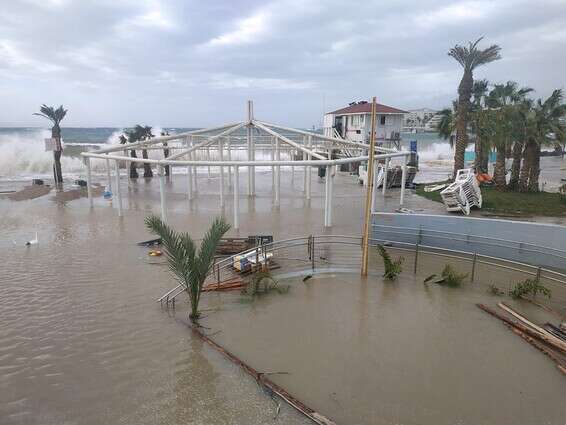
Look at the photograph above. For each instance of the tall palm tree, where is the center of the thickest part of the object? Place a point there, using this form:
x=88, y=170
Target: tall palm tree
x=188, y=266
x=481, y=147
x=543, y=121
x=470, y=58
x=132, y=136
x=145, y=134
x=55, y=116
x=504, y=105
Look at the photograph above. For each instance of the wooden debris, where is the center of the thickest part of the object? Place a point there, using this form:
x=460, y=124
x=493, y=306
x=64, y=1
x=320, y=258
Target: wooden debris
x=544, y=334
x=262, y=379
x=231, y=284
x=532, y=337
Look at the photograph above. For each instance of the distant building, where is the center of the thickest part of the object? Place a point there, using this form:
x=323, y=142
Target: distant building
x=417, y=119
x=432, y=123
x=354, y=122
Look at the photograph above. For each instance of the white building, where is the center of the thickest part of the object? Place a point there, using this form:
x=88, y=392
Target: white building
x=354, y=122
x=432, y=123
x=418, y=118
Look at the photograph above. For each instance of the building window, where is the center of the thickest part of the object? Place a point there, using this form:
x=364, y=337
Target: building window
x=382, y=120
x=358, y=131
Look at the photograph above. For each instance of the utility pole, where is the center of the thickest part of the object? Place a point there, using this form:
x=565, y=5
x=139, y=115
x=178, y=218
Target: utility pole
x=369, y=191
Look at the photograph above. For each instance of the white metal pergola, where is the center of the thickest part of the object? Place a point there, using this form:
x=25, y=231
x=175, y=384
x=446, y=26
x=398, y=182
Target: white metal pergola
x=224, y=147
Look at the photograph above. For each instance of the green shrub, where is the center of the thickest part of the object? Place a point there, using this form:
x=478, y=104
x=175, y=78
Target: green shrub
x=449, y=277
x=262, y=282
x=530, y=287
x=392, y=268
x=494, y=290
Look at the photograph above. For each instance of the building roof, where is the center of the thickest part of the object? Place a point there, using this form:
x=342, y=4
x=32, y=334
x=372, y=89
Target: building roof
x=365, y=108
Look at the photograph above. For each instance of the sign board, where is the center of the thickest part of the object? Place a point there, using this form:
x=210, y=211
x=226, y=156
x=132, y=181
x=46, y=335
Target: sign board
x=413, y=145
x=52, y=144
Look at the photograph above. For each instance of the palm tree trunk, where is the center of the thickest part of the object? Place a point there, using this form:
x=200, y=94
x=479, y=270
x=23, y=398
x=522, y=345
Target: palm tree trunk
x=527, y=164
x=57, y=172
x=534, y=171
x=516, y=165
x=133, y=170
x=464, y=94
x=146, y=167
x=499, y=170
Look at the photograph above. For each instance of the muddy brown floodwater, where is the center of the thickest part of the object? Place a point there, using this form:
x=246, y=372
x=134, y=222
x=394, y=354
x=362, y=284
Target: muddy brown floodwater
x=82, y=340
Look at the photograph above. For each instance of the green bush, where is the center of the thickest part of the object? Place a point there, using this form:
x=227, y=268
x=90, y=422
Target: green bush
x=262, y=282
x=530, y=287
x=392, y=268
x=449, y=277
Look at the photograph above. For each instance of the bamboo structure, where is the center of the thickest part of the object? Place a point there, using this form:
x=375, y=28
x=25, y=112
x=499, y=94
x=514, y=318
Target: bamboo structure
x=369, y=192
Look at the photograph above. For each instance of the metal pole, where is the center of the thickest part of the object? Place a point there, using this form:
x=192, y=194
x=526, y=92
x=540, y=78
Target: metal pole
x=161, y=173
x=326, y=195
x=330, y=193
x=272, y=167
x=208, y=159
x=221, y=155
x=312, y=253
x=117, y=188
x=416, y=258
x=472, y=277
x=108, y=174
x=374, y=191
x=386, y=171
x=309, y=171
x=249, y=141
x=369, y=191
x=305, y=167
x=229, y=147
x=236, y=197
x=403, y=180
x=88, y=182
x=276, y=200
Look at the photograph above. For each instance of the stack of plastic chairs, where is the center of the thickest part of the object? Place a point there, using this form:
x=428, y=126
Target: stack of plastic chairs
x=463, y=194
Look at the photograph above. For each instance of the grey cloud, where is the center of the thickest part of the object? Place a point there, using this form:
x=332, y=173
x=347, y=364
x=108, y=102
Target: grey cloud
x=185, y=63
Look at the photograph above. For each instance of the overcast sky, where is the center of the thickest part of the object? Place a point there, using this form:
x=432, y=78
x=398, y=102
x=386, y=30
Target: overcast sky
x=194, y=63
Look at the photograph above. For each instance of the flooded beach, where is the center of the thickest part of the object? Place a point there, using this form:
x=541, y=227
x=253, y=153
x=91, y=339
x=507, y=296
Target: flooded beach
x=84, y=341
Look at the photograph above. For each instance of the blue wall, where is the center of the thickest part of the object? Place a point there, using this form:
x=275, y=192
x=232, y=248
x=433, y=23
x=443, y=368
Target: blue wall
x=531, y=243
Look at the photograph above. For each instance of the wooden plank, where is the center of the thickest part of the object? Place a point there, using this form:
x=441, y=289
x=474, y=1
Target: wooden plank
x=547, y=336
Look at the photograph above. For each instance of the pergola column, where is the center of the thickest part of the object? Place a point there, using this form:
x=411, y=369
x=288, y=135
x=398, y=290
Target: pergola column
x=161, y=174
x=374, y=187
x=403, y=181
x=236, y=197
x=117, y=188
x=272, y=167
x=276, y=200
x=108, y=172
x=308, y=170
x=208, y=159
x=88, y=182
x=229, y=148
x=221, y=155
x=386, y=172
x=327, y=197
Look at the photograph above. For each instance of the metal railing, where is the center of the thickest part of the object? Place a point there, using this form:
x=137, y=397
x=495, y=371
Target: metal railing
x=343, y=252
x=420, y=233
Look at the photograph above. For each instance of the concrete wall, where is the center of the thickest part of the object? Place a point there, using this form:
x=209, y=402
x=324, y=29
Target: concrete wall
x=531, y=243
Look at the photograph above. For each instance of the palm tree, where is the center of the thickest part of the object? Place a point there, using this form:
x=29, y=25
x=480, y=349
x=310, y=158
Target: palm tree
x=145, y=134
x=55, y=116
x=469, y=58
x=445, y=126
x=189, y=267
x=543, y=121
x=504, y=103
x=132, y=137
x=481, y=147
